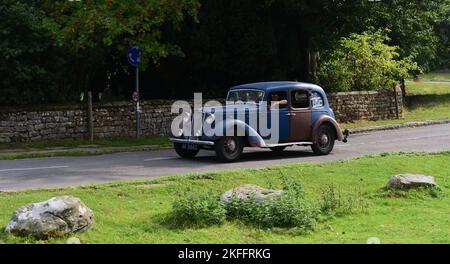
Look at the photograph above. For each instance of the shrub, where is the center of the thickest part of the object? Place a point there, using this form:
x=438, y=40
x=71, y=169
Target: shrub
x=363, y=62
x=198, y=208
x=332, y=201
x=287, y=210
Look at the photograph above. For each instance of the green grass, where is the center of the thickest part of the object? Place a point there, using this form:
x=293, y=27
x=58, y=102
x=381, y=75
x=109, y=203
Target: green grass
x=436, y=76
x=422, y=88
x=114, y=142
x=138, y=211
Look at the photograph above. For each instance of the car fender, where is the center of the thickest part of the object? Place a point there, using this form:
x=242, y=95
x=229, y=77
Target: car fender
x=252, y=136
x=327, y=119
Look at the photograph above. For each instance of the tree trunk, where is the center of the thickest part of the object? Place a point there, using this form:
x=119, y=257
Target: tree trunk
x=403, y=87
x=313, y=58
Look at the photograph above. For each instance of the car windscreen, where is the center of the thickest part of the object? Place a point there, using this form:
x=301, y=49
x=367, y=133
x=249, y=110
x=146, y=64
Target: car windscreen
x=245, y=96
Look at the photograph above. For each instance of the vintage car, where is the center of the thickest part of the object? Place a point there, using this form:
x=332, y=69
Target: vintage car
x=305, y=119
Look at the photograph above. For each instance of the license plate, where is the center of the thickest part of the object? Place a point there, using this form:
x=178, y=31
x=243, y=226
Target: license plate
x=189, y=146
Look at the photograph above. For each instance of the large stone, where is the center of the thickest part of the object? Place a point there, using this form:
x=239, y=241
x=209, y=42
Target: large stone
x=409, y=181
x=250, y=191
x=56, y=217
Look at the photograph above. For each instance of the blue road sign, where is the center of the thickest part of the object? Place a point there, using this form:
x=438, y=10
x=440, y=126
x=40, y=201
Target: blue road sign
x=134, y=55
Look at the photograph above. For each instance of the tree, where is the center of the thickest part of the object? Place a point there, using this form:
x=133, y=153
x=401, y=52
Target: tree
x=413, y=25
x=443, y=31
x=99, y=32
x=363, y=62
x=28, y=62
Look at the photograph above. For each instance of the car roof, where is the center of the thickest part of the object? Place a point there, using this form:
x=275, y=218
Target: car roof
x=269, y=86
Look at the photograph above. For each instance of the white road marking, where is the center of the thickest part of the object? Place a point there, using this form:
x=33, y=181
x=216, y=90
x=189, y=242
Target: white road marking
x=156, y=159
x=37, y=168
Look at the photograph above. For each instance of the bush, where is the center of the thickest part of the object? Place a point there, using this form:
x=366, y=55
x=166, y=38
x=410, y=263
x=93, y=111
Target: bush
x=333, y=202
x=363, y=62
x=287, y=210
x=198, y=208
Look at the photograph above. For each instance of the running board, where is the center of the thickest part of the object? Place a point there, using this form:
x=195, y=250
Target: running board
x=287, y=144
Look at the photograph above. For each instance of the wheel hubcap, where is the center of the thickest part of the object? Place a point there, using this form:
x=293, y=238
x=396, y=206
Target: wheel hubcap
x=230, y=145
x=324, y=139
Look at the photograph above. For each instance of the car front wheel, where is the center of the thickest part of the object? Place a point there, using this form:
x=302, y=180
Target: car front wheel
x=325, y=140
x=229, y=149
x=184, y=152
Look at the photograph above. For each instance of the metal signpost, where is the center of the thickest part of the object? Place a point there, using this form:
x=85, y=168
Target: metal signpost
x=134, y=58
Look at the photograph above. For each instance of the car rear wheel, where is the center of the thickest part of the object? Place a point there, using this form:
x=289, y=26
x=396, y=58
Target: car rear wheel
x=229, y=149
x=325, y=140
x=278, y=149
x=186, y=152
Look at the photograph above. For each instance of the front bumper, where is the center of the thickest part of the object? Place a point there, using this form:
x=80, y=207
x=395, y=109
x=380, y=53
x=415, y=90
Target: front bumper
x=192, y=141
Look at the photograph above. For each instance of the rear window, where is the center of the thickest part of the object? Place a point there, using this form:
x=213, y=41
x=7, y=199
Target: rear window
x=300, y=99
x=316, y=100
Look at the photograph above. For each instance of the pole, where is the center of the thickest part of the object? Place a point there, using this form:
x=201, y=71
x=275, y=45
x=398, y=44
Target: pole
x=138, y=116
x=397, y=111
x=90, y=117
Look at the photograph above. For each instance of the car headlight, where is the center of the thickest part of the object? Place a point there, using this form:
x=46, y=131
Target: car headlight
x=186, y=117
x=210, y=119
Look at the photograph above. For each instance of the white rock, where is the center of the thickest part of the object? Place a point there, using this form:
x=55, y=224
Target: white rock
x=58, y=216
x=248, y=191
x=408, y=181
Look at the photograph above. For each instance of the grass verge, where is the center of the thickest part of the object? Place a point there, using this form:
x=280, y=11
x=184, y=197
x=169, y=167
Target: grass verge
x=423, y=88
x=435, y=76
x=140, y=211
x=69, y=143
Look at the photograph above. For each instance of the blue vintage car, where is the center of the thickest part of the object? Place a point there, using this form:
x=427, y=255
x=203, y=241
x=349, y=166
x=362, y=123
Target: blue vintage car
x=303, y=115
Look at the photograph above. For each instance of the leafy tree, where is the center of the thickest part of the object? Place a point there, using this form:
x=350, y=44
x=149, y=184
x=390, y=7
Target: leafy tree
x=99, y=32
x=443, y=31
x=413, y=25
x=28, y=62
x=363, y=62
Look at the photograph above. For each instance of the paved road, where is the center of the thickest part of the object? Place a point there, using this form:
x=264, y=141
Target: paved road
x=73, y=171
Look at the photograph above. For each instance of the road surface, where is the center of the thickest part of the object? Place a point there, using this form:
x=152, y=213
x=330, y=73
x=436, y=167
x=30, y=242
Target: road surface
x=75, y=171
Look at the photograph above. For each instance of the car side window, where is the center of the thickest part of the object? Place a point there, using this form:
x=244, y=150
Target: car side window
x=316, y=100
x=300, y=99
x=278, y=97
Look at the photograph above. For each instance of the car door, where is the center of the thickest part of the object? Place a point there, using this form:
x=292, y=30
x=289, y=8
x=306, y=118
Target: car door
x=300, y=115
x=283, y=114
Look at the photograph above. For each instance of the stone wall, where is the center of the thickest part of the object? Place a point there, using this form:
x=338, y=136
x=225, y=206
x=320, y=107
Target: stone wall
x=366, y=105
x=118, y=119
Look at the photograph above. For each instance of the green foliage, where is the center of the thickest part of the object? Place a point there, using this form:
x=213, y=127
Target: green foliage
x=288, y=210
x=363, y=62
x=333, y=201
x=52, y=50
x=415, y=27
x=100, y=25
x=28, y=62
x=443, y=31
x=198, y=207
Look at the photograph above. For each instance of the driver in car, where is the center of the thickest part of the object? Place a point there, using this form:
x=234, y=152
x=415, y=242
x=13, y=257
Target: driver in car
x=275, y=101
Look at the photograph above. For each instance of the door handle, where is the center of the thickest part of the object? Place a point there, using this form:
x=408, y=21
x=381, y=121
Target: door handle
x=291, y=114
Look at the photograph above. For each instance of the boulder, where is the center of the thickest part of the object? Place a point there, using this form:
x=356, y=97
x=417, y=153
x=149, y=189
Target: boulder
x=247, y=191
x=410, y=181
x=56, y=217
